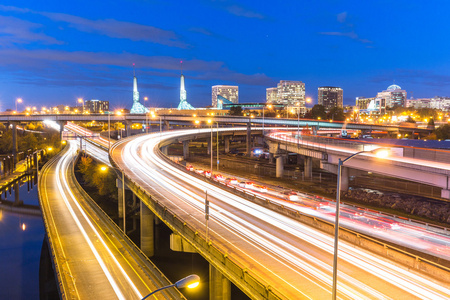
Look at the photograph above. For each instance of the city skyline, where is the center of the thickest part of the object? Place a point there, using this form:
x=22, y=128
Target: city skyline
x=55, y=53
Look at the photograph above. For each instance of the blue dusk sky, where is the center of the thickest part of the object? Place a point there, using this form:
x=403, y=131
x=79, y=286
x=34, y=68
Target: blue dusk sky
x=53, y=52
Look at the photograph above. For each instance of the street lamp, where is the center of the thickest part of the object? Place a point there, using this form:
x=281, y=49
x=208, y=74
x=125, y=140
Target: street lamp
x=191, y=281
x=103, y=169
x=211, y=148
x=380, y=153
x=18, y=100
x=81, y=100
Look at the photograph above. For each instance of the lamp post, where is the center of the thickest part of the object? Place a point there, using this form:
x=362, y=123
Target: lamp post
x=103, y=169
x=191, y=281
x=18, y=100
x=379, y=152
x=211, y=148
x=81, y=100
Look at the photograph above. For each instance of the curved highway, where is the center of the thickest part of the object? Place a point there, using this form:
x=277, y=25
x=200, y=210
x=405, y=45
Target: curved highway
x=92, y=258
x=289, y=257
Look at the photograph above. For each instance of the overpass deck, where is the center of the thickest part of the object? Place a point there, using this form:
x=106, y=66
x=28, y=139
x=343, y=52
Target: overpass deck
x=92, y=257
x=265, y=253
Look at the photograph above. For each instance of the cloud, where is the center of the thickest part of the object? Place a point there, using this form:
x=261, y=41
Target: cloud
x=342, y=17
x=17, y=31
x=111, y=27
x=347, y=29
x=240, y=11
x=39, y=60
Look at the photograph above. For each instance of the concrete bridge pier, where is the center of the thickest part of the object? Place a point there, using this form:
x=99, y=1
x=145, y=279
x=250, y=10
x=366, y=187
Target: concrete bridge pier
x=14, y=143
x=227, y=144
x=147, y=230
x=61, y=129
x=165, y=150
x=128, y=128
x=166, y=125
x=185, y=149
x=279, y=166
x=308, y=166
x=219, y=285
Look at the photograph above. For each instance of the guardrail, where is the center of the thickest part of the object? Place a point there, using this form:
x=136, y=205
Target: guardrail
x=235, y=271
x=415, y=261
x=62, y=283
x=101, y=214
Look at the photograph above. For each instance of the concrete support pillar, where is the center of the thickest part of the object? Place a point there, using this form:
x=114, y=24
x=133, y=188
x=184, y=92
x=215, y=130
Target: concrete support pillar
x=271, y=158
x=344, y=178
x=227, y=144
x=209, y=146
x=249, y=139
x=14, y=144
x=147, y=231
x=128, y=128
x=120, y=197
x=165, y=150
x=185, y=149
x=61, y=129
x=445, y=194
x=280, y=166
x=166, y=125
x=308, y=166
x=219, y=285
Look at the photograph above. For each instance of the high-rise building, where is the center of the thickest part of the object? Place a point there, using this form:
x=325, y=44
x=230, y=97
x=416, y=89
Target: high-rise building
x=330, y=96
x=394, y=96
x=271, y=95
x=291, y=93
x=96, y=106
x=229, y=92
x=363, y=102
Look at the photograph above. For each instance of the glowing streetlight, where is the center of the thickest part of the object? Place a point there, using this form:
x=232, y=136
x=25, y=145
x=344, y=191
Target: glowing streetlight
x=191, y=281
x=18, y=100
x=81, y=100
x=380, y=153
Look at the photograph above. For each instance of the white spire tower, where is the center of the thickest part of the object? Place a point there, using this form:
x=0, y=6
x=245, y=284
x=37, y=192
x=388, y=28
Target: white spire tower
x=183, y=103
x=137, y=107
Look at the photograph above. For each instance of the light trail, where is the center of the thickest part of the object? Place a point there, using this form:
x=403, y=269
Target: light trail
x=139, y=157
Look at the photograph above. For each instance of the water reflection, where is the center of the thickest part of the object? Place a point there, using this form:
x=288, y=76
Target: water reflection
x=21, y=236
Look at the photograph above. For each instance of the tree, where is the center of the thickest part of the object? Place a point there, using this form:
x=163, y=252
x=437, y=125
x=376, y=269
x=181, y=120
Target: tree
x=318, y=111
x=86, y=169
x=410, y=120
x=336, y=114
x=236, y=110
x=443, y=132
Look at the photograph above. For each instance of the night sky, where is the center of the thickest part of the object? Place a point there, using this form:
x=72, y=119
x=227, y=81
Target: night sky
x=53, y=52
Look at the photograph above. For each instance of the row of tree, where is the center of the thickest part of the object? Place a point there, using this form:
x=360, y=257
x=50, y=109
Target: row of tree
x=29, y=140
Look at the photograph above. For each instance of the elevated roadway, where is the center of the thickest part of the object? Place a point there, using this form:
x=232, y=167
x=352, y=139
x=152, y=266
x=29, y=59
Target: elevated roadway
x=92, y=258
x=427, y=166
x=266, y=254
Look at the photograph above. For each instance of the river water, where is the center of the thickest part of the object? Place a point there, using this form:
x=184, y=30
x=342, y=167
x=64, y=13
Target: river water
x=21, y=239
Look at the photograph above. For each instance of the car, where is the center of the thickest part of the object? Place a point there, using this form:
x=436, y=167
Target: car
x=233, y=181
x=246, y=184
x=219, y=177
x=207, y=174
x=260, y=188
x=190, y=168
x=292, y=196
x=199, y=171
